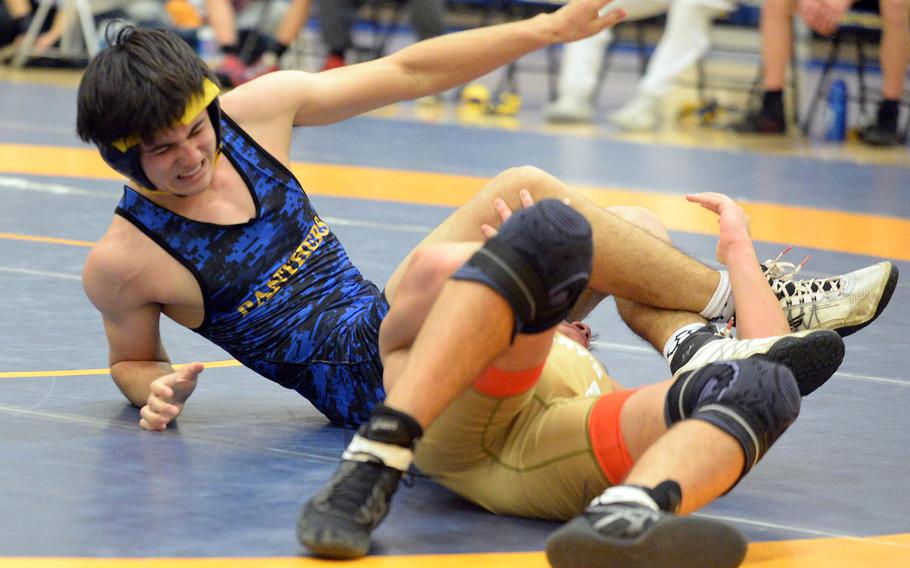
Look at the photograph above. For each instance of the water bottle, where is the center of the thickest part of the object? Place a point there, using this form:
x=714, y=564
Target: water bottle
x=837, y=112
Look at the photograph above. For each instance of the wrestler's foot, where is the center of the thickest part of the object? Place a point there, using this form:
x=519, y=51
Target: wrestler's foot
x=845, y=303
x=624, y=527
x=812, y=355
x=338, y=520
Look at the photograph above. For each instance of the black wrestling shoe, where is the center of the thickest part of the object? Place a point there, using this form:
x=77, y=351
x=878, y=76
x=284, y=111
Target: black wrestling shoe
x=812, y=355
x=632, y=534
x=338, y=520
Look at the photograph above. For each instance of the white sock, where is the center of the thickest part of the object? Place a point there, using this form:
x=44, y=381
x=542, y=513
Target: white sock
x=678, y=337
x=625, y=494
x=720, y=307
x=365, y=450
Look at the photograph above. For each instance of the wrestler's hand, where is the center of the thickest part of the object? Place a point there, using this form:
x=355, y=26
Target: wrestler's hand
x=167, y=397
x=823, y=16
x=504, y=211
x=579, y=19
x=733, y=221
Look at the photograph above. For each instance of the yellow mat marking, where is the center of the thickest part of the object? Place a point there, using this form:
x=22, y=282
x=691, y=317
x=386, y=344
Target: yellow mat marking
x=51, y=240
x=89, y=372
x=881, y=235
x=880, y=552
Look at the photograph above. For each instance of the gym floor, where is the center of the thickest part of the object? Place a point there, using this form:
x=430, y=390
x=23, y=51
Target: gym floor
x=82, y=485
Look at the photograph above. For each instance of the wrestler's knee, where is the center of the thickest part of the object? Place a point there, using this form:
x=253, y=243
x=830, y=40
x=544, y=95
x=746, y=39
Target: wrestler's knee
x=753, y=400
x=539, y=262
x=643, y=218
x=539, y=183
x=428, y=269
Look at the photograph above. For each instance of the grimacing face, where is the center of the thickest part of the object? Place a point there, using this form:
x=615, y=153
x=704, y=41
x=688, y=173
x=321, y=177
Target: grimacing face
x=180, y=160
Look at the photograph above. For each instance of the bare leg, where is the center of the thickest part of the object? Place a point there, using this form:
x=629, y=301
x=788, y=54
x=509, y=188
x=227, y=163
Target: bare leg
x=628, y=262
x=431, y=357
x=776, y=41
x=294, y=19
x=895, y=47
x=654, y=325
x=222, y=19
x=685, y=453
x=433, y=372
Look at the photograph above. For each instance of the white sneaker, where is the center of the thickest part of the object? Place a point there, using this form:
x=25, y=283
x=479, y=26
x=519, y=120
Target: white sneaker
x=812, y=355
x=569, y=110
x=639, y=114
x=845, y=303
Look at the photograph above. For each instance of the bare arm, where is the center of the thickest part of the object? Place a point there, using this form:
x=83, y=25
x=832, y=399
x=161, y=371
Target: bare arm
x=758, y=313
x=136, y=353
x=139, y=364
x=423, y=68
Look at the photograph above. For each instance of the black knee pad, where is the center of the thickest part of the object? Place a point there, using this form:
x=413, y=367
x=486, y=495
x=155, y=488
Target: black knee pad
x=539, y=262
x=752, y=400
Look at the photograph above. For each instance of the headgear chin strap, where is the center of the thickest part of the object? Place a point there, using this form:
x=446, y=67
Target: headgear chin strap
x=123, y=155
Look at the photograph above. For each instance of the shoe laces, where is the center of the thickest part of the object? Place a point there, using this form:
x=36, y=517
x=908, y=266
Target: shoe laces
x=781, y=277
x=354, y=486
x=728, y=329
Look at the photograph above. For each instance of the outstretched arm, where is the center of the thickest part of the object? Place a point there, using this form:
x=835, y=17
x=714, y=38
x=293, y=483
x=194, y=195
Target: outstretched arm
x=758, y=312
x=423, y=68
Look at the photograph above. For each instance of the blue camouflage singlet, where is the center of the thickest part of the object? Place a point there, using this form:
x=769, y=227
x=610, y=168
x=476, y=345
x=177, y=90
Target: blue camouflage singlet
x=280, y=293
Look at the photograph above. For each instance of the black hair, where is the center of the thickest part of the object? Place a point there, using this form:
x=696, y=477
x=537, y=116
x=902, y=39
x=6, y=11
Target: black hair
x=138, y=86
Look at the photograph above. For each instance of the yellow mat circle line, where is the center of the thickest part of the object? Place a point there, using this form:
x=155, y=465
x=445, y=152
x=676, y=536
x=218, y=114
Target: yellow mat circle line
x=90, y=372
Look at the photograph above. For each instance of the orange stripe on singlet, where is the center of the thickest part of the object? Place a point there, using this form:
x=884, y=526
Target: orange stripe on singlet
x=501, y=384
x=605, y=431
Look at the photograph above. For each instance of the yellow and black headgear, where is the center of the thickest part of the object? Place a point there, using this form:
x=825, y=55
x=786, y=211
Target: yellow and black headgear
x=123, y=154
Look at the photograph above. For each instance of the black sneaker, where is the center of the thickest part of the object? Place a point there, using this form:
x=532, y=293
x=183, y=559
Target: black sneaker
x=761, y=123
x=634, y=535
x=337, y=521
x=879, y=135
x=812, y=355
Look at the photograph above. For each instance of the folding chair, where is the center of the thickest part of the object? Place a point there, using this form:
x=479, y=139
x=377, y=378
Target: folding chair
x=860, y=27
x=384, y=18
x=70, y=46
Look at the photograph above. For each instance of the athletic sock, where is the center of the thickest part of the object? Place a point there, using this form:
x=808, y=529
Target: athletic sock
x=772, y=103
x=888, y=110
x=720, y=306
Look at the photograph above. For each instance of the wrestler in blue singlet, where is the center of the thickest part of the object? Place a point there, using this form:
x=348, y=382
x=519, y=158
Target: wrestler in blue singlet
x=280, y=293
